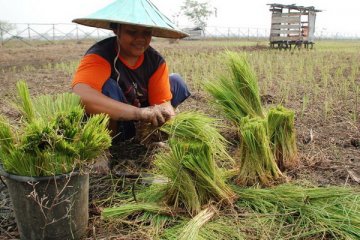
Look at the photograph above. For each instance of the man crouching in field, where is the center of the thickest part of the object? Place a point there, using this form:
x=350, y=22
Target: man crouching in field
x=124, y=77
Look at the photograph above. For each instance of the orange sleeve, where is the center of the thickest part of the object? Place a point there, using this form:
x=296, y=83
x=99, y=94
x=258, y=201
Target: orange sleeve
x=159, y=86
x=93, y=70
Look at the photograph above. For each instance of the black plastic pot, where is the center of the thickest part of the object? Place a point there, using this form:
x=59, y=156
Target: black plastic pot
x=50, y=207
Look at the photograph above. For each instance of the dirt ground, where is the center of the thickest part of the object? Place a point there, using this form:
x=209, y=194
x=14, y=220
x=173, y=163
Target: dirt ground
x=329, y=153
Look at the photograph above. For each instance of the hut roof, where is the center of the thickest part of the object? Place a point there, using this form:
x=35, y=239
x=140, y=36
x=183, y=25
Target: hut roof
x=276, y=6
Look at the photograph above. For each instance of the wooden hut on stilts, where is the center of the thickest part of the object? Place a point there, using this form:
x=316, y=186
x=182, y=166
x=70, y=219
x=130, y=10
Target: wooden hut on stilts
x=292, y=26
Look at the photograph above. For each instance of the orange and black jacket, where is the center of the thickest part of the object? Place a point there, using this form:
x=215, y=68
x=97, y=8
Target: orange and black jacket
x=146, y=83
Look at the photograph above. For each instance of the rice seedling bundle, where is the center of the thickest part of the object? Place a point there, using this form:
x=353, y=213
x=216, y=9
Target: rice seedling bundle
x=148, y=212
x=316, y=212
x=189, y=164
x=257, y=163
x=131, y=208
x=192, y=228
x=53, y=138
x=204, y=226
x=237, y=95
x=282, y=136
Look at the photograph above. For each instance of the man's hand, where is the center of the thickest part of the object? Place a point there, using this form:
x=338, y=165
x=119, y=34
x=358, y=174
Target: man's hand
x=157, y=115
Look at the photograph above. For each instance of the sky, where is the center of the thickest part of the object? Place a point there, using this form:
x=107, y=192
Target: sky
x=337, y=16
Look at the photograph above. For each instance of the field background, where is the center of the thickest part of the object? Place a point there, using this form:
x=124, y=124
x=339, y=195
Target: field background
x=321, y=85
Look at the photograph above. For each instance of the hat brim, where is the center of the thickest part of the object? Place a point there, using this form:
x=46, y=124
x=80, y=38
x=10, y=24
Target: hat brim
x=134, y=12
x=156, y=30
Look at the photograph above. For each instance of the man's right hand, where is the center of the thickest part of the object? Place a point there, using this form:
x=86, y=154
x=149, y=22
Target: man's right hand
x=157, y=115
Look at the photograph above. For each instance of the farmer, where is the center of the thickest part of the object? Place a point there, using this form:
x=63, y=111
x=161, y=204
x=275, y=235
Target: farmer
x=123, y=76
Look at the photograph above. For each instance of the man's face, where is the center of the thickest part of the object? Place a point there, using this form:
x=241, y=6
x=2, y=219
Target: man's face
x=134, y=40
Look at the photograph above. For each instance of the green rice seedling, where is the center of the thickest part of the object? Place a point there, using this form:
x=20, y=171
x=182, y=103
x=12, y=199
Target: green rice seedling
x=282, y=136
x=49, y=105
x=52, y=137
x=205, y=226
x=192, y=228
x=68, y=67
x=152, y=194
x=149, y=215
x=28, y=68
x=237, y=95
x=221, y=228
x=189, y=164
x=156, y=222
x=312, y=212
x=93, y=137
x=127, y=209
x=24, y=102
x=7, y=140
x=327, y=108
x=355, y=115
x=197, y=127
x=257, y=164
x=181, y=192
x=305, y=102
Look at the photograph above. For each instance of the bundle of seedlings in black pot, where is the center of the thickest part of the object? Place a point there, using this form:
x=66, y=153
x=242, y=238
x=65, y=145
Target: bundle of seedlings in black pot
x=53, y=137
x=42, y=158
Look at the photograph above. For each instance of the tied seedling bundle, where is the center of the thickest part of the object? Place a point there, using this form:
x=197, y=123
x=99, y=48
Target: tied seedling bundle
x=189, y=164
x=257, y=164
x=238, y=97
x=237, y=94
x=282, y=136
x=52, y=138
x=208, y=224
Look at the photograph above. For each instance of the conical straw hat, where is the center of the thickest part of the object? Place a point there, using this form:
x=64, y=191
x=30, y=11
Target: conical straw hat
x=135, y=12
